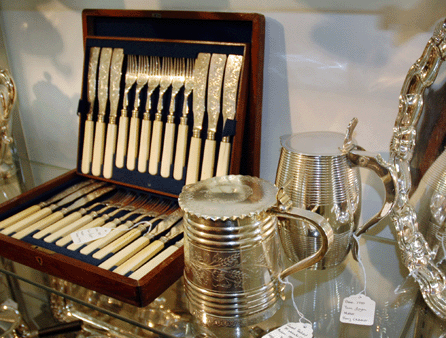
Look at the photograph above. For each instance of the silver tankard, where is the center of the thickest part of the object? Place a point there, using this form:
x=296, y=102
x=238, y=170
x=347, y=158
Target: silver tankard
x=319, y=171
x=232, y=250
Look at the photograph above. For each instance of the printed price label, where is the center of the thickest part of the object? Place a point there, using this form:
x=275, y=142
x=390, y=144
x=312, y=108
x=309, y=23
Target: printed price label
x=292, y=330
x=358, y=309
x=88, y=235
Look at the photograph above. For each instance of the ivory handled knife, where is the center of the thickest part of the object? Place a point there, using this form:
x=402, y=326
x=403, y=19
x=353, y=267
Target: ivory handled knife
x=157, y=260
x=230, y=86
x=215, y=80
x=132, y=251
x=87, y=148
x=128, y=237
x=99, y=133
x=198, y=105
x=115, y=85
x=48, y=210
x=58, y=215
x=35, y=209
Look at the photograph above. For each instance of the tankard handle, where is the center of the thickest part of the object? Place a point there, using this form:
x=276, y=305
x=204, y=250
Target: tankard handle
x=322, y=226
x=374, y=162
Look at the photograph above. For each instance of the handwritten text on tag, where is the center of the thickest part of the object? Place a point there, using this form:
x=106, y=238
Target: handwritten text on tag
x=358, y=309
x=88, y=235
x=292, y=330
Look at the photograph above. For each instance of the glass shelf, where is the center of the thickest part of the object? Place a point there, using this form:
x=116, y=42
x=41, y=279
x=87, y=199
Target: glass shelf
x=318, y=295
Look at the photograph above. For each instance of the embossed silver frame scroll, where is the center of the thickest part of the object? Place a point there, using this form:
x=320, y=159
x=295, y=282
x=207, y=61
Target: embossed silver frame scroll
x=417, y=255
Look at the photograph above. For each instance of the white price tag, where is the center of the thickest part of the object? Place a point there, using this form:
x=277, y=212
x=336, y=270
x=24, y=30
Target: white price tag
x=88, y=235
x=292, y=330
x=358, y=309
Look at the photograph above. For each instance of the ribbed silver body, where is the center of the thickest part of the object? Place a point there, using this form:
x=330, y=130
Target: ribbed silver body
x=325, y=184
x=231, y=269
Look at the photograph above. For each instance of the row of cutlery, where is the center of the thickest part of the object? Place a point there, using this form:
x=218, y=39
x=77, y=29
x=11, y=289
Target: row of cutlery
x=154, y=138
x=120, y=230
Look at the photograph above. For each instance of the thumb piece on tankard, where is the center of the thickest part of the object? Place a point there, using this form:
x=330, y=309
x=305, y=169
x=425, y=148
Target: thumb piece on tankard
x=348, y=140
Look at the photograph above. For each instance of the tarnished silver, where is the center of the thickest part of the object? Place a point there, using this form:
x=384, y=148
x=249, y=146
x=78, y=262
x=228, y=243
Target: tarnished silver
x=232, y=249
x=320, y=172
x=414, y=148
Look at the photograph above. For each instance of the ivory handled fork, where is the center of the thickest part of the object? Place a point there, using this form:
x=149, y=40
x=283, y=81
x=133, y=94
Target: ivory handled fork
x=141, y=80
x=157, y=260
x=178, y=78
x=130, y=79
x=136, y=245
x=141, y=250
x=128, y=237
x=146, y=124
x=157, y=131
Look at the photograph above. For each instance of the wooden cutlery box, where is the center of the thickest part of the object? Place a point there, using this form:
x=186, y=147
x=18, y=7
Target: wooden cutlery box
x=224, y=113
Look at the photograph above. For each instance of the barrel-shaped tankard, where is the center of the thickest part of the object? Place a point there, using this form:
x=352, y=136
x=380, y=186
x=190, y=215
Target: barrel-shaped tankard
x=319, y=171
x=233, y=257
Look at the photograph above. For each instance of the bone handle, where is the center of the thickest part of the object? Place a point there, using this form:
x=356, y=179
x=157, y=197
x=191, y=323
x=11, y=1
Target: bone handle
x=98, y=149
x=87, y=149
x=140, y=258
x=132, y=149
x=166, y=161
x=121, y=146
x=67, y=235
x=144, y=145
x=68, y=229
x=19, y=216
x=110, y=147
x=155, y=147
x=73, y=217
x=153, y=263
x=224, y=155
x=27, y=221
x=180, y=154
x=42, y=224
x=101, y=242
x=194, y=160
x=118, y=244
x=125, y=253
x=207, y=169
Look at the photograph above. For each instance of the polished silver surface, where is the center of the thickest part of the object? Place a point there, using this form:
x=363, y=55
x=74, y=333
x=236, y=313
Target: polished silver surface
x=417, y=153
x=233, y=263
x=319, y=171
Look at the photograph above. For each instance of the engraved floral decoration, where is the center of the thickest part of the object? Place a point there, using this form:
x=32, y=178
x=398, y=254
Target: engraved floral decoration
x=223, y=270
x=417, y=256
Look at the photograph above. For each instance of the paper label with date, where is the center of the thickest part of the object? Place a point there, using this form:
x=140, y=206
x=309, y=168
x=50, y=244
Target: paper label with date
x=88, y=235
x=292, y=330
x=358, y=309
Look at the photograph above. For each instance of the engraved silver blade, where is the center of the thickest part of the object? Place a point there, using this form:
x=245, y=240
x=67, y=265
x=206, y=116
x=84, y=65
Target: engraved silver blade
x=215, y=80
x=199, y=93
x=83, y=191
x=91, y=77
x=89, y=197
x=166, y=223
x=115, y=79
x=232, y=76
x=104, y=71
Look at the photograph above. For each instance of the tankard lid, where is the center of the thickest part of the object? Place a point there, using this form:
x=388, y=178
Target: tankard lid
x=228, y=197
x=314, y=143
